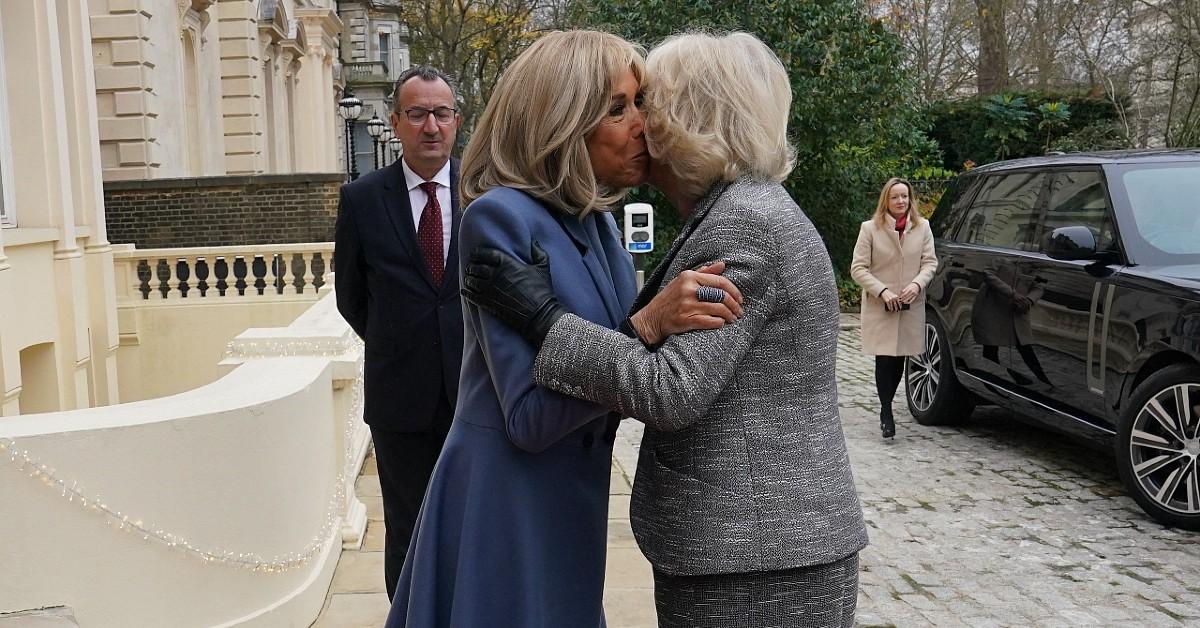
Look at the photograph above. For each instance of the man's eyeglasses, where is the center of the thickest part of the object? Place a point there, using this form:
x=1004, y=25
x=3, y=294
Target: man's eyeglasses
x=417, y=115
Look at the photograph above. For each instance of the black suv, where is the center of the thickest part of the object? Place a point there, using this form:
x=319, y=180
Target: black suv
x=1068, y=289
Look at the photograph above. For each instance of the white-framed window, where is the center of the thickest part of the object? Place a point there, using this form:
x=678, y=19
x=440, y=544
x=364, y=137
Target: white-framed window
x=386, y=42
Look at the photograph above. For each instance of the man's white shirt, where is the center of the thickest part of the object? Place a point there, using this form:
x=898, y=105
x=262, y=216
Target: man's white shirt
x=417, y=200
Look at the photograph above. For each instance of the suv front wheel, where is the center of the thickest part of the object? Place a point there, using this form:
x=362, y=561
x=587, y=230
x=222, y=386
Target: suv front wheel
x=1158, y=446
x=934, y=395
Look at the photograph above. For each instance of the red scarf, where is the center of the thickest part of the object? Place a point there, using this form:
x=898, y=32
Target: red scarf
x=901, y=223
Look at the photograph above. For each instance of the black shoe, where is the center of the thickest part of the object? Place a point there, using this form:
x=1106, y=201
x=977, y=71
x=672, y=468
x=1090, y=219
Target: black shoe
x=887, y=425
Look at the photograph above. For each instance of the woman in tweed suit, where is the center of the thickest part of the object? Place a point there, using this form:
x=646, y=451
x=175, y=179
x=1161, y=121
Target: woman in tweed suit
x=744, y=501
x=893, y=262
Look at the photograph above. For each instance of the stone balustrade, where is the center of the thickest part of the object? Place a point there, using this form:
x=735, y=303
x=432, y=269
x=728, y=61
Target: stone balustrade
x=366, y=71
x=272, y=271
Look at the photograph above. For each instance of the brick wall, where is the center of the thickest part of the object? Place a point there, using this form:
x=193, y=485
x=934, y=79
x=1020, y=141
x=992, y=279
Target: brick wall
x=222, y=211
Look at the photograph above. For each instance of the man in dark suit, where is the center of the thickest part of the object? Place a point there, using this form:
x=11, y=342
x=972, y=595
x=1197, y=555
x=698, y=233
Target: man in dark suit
x=396, y=262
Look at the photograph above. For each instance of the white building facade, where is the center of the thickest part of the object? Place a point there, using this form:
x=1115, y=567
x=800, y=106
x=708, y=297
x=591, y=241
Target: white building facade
x=58, y=336
x=374, y=53
x=190, y=88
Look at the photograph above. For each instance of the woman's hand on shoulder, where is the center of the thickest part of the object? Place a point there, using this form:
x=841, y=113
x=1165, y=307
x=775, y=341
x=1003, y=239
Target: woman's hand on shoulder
x=678, y=308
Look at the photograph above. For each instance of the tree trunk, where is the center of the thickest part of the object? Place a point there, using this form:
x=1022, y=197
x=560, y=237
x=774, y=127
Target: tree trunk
x=992, y=73
x=1042, y=44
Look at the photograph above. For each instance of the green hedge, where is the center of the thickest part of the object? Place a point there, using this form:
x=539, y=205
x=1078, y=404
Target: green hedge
x=960, y=126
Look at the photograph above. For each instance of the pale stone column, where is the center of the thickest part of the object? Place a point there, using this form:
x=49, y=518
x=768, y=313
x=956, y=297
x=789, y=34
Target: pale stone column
x=317, y=146
x=241, y=87
x=41, y=142
x=96, y=322
x=268, y=105
x=291, y=76
x=309, y=90
x=278, y=116
x=332, y=120
x=10, y=385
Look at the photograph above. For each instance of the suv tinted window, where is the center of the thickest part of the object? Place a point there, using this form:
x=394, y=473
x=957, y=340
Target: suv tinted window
x=1077, y=198
x=1163, y=201
x=1004, y=213
x=953, y=204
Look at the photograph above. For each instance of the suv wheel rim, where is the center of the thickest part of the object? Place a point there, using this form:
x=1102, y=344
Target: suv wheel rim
x=1164, y=448
x=924, y=371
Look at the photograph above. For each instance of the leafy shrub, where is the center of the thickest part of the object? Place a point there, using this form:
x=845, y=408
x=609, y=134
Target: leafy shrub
x=849, y=294
x=960, y=127
x=1099, y=136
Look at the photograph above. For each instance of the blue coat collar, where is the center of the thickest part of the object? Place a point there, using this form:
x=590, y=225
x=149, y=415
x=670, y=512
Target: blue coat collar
x=606, y=280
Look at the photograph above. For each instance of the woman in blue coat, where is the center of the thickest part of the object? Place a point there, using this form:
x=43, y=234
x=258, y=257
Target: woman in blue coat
x=512, y=531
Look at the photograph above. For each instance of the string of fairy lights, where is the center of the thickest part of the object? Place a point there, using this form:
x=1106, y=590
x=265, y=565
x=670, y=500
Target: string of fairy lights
x=72, y=491
x=247, y=349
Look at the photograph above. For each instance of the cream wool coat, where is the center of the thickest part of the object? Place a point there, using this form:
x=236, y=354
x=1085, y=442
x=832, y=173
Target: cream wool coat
x=882, y=261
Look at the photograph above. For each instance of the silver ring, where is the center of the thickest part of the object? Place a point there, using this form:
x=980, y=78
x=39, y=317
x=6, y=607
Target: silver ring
x=709, y=294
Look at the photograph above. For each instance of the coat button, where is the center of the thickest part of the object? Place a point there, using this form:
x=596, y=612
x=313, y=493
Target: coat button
x=588, y=439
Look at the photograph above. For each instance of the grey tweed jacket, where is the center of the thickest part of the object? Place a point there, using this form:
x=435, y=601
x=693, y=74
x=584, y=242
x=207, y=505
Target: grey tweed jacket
x=743, y=465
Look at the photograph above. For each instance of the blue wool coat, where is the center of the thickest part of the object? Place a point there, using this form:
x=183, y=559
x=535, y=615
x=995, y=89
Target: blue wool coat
x=513, y=528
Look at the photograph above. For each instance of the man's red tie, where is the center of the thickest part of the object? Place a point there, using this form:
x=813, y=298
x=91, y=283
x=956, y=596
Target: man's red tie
x=429, y=234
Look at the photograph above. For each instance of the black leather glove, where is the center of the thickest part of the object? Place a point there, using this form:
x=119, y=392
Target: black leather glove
x=520, y=295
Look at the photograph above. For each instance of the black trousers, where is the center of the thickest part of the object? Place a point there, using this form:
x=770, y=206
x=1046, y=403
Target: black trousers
x=889, y=371
x=405, y=462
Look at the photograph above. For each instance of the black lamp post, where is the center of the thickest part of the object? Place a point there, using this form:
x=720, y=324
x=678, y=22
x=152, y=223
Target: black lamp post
x=383, y=145
x=397, y=150
x=350, y=108
x=375, y=128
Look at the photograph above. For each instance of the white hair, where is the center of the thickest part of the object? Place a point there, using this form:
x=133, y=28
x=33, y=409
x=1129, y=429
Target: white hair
x=717, y=108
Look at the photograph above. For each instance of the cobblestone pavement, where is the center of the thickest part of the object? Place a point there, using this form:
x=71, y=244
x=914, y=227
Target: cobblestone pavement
x=996, y=523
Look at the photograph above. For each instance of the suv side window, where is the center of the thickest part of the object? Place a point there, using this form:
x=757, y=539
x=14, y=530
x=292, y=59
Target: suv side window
x=1005, y=212
x=953, y=204
x=1077, y=199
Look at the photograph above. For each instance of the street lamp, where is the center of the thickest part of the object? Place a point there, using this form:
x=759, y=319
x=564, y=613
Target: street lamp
x=350, y=108
x=375, y=128
x=383, y=144
x=397, y=149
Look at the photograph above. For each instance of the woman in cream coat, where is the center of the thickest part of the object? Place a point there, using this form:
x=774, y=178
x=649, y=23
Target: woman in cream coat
x=893, y=262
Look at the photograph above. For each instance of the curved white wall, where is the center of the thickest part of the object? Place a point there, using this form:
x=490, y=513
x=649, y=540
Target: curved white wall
x=258, y=462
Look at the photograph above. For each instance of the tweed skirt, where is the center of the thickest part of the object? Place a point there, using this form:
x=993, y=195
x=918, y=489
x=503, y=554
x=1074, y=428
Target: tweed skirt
x=820, y=596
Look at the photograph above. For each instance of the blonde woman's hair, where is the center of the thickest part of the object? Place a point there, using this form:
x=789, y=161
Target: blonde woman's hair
x=533, y=134
x=881, y=209
x=717, y=108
